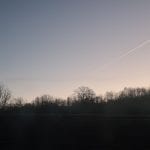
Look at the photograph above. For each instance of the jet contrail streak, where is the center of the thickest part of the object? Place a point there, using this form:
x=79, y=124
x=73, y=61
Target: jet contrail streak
x=134, y=49
x=126, y=53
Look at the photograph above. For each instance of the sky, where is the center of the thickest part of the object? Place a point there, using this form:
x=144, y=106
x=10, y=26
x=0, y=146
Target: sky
x=54, y=46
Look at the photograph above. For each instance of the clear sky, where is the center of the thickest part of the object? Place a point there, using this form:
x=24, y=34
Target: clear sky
x=54, y=46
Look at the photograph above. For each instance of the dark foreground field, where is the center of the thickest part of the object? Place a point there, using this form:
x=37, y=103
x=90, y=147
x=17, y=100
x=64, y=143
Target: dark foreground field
x=75, y=132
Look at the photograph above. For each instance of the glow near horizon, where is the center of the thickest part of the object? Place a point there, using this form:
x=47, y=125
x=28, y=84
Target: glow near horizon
x=52, y=47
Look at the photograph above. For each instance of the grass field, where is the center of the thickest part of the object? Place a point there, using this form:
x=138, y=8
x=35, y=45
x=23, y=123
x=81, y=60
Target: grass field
x=85, y=131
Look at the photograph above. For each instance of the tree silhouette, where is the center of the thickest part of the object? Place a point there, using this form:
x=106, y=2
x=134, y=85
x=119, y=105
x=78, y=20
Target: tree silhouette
x=5, y=95
x=84, y=94
x=43, y=100
x=18, y=101
x=109, y=96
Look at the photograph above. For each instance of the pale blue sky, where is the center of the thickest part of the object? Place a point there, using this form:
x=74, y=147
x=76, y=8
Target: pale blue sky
x=54, y=46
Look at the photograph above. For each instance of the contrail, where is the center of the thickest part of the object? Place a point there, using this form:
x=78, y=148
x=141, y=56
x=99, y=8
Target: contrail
x=134, y=49
x=127, y=53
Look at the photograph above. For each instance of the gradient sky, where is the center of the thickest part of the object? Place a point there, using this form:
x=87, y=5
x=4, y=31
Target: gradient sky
x=54, y=46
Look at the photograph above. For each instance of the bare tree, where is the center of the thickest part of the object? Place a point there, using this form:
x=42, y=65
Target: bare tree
x=18, y=101
x=84, y=94
x=5, y=95
x=109, y=96
x=132, y=92
x=43, y=100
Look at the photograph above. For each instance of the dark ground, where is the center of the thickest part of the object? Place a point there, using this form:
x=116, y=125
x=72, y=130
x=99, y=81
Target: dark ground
x=74, y=132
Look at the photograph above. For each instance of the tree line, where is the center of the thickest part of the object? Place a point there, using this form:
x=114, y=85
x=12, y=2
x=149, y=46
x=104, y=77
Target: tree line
x=83, y=100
